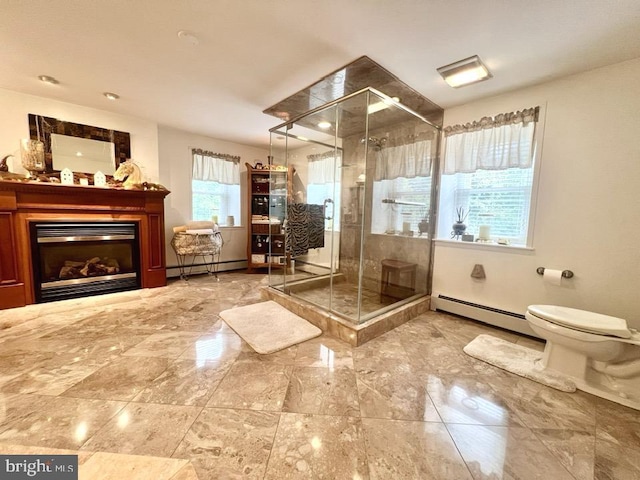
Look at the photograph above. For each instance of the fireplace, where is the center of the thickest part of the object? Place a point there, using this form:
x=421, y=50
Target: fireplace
x=116, y=241
x=84, y=258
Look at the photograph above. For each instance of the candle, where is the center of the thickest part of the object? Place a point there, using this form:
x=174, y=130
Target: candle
x=214, y=219
x=406, y=227
x=485, y=232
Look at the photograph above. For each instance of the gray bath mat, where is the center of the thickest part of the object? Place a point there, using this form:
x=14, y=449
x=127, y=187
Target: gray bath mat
x=516, y=359
x=268, y=326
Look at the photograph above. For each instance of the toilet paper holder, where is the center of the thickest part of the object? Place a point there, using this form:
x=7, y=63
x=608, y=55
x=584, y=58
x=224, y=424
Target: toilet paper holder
x=565, y=273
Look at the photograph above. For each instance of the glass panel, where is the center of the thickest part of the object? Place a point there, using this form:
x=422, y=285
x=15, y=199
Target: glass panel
x=352, y=130
x=308, y=148
x=396, y=242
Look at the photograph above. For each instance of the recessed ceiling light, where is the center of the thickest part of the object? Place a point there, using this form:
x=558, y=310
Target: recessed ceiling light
x=111, y=96
x=188, y=37
x=377, y=106
x=324, y=125
x=465, y=72
x=48, y=79
x=78, y=154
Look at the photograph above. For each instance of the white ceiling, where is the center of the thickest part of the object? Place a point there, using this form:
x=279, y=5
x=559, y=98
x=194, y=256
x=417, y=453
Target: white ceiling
x=254, y=53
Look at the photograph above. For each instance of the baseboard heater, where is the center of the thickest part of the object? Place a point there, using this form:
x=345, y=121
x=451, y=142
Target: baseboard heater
x=483, y=313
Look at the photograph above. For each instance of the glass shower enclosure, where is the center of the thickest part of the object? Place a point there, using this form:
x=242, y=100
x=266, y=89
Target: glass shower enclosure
x=359, y=212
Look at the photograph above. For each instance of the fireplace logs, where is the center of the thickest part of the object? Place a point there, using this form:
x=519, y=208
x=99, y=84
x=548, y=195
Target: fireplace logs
x=93, y=267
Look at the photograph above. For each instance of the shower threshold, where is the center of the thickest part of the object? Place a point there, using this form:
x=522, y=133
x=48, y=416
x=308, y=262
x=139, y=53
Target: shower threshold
x=339, y=327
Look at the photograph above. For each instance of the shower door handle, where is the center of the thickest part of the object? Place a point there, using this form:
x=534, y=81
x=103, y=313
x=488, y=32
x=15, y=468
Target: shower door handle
x=324, y=206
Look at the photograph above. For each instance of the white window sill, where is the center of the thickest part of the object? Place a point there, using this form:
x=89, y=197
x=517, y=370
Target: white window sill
x=399, y=235
x=226, y=227
x=493, y=247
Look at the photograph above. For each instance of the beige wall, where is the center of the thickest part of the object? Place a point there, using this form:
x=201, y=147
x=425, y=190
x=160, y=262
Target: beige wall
x=588, y=208
x=174, y=148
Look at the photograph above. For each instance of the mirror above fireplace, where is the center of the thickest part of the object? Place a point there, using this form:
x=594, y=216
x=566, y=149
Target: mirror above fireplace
x=63, y=140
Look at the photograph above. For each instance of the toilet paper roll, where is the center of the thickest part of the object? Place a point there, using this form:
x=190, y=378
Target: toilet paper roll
x=552, y=277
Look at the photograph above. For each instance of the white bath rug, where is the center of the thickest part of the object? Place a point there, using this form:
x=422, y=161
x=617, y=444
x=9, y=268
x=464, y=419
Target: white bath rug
x=268, y=326
x=516, y=359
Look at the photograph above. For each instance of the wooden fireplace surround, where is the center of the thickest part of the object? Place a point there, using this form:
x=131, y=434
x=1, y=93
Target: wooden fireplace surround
x=24, y=202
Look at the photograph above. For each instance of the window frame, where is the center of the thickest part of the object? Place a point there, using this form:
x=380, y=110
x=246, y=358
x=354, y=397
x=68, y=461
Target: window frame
x=238, y=219
x=538, y=137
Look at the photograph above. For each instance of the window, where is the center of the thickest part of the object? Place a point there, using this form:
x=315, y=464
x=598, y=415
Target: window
x=390, y=217
x=211, y=199
x=489, y=174
x=324, y=183
x=402, y=182
x=215, y=188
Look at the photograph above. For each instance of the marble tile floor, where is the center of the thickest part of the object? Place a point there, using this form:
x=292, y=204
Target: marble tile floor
x=152, y=384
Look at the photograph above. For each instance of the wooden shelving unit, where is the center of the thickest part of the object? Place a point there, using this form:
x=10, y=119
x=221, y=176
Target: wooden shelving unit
x=268, y=192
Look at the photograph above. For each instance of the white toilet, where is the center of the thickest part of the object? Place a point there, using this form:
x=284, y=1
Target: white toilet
x=601, y=354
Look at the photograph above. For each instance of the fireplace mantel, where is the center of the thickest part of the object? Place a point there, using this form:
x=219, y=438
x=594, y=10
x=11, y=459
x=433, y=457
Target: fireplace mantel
x=24, y=202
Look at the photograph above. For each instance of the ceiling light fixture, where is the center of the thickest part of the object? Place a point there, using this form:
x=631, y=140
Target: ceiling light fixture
x=465, y=72
x=376, y=107
x=48, y=79
x=324, y=125
x=188, y=37
x=111, y=96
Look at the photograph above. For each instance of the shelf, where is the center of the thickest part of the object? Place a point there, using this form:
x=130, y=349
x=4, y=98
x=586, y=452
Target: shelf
x=267, y=194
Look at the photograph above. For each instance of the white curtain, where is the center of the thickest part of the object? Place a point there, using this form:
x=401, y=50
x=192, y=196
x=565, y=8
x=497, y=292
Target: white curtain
x=499, y=143
x=409, y=160
x=324, y=168
x=215, y=167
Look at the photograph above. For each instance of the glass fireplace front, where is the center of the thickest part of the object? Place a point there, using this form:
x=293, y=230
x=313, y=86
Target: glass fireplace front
x=85, y=258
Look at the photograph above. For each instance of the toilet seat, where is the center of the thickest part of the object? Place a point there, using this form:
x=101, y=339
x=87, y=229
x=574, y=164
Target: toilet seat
x=581, y=320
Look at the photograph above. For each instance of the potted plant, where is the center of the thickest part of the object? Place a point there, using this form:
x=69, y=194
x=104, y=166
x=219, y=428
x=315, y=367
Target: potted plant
x=423, y=224
x=459, y=227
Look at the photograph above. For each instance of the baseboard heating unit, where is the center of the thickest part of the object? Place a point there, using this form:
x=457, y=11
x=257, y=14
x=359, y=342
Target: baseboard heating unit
x=493, y=316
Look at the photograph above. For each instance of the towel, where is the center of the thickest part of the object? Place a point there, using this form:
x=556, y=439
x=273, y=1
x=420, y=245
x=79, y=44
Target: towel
x=201, y=231
x=199, y=224
x=305, y=228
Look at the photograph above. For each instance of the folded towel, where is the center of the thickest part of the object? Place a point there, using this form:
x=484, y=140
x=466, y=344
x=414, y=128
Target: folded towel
x=200, y=231
x=199, y=224
x=181, y=228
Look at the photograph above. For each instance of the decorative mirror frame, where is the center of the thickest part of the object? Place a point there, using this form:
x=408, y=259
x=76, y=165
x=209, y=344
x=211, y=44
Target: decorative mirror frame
x=41, y=128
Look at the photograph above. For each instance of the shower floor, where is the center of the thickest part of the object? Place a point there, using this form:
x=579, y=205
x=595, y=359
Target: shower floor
x=345, y=299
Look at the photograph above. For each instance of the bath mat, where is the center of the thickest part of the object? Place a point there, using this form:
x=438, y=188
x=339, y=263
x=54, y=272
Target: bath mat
x=516, y=359
x=268, y=326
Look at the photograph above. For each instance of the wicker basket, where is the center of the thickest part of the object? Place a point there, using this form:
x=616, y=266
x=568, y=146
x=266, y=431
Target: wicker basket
x=197, y=244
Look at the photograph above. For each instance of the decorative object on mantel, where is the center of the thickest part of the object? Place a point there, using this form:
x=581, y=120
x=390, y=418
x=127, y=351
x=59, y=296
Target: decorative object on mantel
x=5, y=174
x=99, y=179
x=129, y=176
x=3, y=164
x=32, y=153
x=129, y=173
x=459, y=227
x=66, y=177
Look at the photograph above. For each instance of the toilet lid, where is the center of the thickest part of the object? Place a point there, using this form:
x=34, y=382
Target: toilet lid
x=582, y=320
